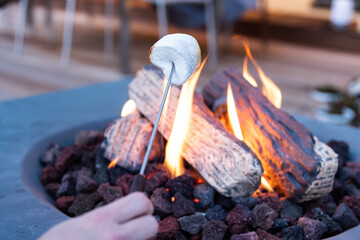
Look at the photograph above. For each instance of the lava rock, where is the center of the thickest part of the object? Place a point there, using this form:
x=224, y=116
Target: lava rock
x=352, y=190
x=182, y=184
x=225, y=202
x=49, y=175
x=248, y=202
x=239, y=218
x=101, y=175
x=292, y=233
x=216, y=213
x=338, y=191
x=353, y=203
x=213, y=230
x=156, y=180
x=161, y=200
x=245, y=236
x=109, y=193
x=271, y=199
x=345, y=174
x=204, y=193
x=168, y=229
x=67, y=188
x=313, y=229
x=88, y=160
x=114, y=173
x=83, y=203
x=52, y=188
x=291, y=210
x=263, y=235
x=49, y=157
x=333, y=227
x=63, y=203
x=279, y=224
x=345, y=216
x=85, y=184
x=125, y=182
x=342, y=149
x=192, y=224
x=264, y=216
x=68, y=156
x=182, y=206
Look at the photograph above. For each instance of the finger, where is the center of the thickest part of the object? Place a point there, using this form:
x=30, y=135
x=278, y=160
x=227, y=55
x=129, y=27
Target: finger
x=144, y=227
x=132, y=206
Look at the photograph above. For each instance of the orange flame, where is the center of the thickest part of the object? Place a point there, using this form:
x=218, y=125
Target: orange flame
x=128, y=108
x=232, y=114
x=114, y=162
x=265, y=184
x=270, y=89
x=174, y=147
x=247, y=75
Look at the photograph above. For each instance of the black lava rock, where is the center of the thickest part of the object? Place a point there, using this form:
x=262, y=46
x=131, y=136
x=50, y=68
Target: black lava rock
x=213, y=230
x=83, y=203
x=161, y=200
x=313, y=229
x=225, y=202
x=345, y=216
x=182, y=206
x=352, y=190
x=264, y=216
x=292, y=233
x=353, y=203
x=279, y=224
x=291, y=210
x=333, y=227
x=114, y=173
x=192, y=224
x=204, y=193
x=49, y=157
x=342, y=149
x=239, y=218
x=67, y=188
x=245, y=236
x=182, y=184
x=216, y=213
x=248, y=202
x=156, y=180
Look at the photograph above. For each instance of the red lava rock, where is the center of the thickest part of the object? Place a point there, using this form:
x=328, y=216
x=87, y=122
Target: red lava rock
x=248, y=202
x=263, y=235
x=182, y=184
x=156, y=180
x=168, y=229
x=109, y=193
x=264, y=216
x=125, y=182
x=313, y=229
x=345, y=216
x=52, y=188
x=239, y=218
x=83, y=203
x=67, y=157
x=49, y=175
x=353, y=203
x=161, y=200
x=63, y=203
x=271, y=199
x=245, y=236
x=182, y=206
x=213, y=230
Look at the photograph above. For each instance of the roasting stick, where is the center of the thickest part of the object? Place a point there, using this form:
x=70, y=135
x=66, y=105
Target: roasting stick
x=178, y=56
x=139, y=180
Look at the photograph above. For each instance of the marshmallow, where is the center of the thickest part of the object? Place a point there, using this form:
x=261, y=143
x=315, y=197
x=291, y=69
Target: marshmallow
x=182, y=50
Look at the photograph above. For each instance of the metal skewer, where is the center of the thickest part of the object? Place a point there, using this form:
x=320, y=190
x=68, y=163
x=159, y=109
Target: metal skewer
x=139, y=180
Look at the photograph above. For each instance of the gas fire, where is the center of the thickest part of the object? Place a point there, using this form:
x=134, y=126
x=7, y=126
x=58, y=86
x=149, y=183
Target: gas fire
x=232, y=114
x=128, y=108
x=173, y=159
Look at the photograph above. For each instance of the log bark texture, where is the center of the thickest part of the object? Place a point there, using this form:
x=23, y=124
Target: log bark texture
x=127, y=139
x=226, y=163
x=296, y=164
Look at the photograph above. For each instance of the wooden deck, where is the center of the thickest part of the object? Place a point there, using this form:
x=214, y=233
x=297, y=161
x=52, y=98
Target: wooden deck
x=296, y=69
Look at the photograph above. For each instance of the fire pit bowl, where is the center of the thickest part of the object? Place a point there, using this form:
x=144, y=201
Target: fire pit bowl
x=29, y=125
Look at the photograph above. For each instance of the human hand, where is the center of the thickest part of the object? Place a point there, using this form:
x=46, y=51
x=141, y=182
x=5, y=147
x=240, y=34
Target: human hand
x=127, y=218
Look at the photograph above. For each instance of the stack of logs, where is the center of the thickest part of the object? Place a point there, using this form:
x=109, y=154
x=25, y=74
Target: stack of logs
x=295, y=163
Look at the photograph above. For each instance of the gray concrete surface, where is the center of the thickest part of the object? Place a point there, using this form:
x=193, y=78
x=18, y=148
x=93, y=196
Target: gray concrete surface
x=29, y=125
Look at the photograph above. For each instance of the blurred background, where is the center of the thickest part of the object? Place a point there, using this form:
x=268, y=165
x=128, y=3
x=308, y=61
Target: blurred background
x=309, y=48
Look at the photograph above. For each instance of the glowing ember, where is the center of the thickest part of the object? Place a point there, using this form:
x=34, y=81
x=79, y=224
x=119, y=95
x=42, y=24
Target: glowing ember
x=128, y=108
x=232, y=114
x=172, y=199
x=196, y=200
x=174, y=147
x=270, y=89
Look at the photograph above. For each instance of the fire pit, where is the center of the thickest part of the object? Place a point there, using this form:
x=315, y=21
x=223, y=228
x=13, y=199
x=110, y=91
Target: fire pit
x=27, y=210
